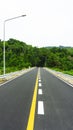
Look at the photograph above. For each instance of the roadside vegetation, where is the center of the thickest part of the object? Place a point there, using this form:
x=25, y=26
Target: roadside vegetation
x=19, y=56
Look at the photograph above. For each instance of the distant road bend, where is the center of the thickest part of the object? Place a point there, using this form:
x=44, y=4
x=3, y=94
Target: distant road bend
x=37, y=100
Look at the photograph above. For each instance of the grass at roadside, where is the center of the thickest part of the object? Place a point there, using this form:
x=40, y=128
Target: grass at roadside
x=9, y=69
x=70, y=72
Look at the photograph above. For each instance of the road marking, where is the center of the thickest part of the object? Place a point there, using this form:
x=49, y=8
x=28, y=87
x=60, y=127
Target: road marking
x=30, y=124
x=40, y=108
x=60, y=78
x=15, y=77
x=39, y=80
x=40, y=84
x=65, y=81
x=39, y=76
x=40, y=92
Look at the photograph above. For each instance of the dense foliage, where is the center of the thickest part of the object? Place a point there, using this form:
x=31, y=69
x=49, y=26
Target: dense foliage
x=20, y=55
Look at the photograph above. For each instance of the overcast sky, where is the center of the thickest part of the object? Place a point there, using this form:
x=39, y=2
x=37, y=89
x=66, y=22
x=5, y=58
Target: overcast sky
x=48, y=22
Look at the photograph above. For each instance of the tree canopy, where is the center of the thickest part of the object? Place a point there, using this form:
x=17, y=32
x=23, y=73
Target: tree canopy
x=19, y=55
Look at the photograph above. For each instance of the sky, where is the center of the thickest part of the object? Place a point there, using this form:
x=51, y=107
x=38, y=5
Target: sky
x=47, y=22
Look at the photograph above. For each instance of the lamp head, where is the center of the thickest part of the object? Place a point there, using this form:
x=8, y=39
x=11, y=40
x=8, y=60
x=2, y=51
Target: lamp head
x=23, y=15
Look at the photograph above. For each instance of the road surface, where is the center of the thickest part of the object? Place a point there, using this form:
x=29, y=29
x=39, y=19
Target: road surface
x=36, y=100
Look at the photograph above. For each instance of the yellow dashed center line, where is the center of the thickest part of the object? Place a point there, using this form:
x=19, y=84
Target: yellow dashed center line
x=30, y=125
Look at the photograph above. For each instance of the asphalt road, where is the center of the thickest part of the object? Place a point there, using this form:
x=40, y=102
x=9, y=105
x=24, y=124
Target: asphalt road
x=15, y=101
x=57, y=98
x=54, y=106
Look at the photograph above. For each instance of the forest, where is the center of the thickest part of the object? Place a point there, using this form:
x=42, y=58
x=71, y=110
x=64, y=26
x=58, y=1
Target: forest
x=20, y=55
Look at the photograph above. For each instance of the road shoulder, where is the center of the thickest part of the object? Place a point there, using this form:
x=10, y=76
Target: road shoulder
x=64, y=77
x=13, y=75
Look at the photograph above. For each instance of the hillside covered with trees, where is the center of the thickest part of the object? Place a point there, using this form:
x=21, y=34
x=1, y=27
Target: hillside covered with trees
x=19, y=55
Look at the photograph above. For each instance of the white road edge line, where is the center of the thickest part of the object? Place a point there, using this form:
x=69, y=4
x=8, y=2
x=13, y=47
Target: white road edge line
x=64, y=81
x=40, y=108
x=15, y=78
x=60, y=79
x=40, y=92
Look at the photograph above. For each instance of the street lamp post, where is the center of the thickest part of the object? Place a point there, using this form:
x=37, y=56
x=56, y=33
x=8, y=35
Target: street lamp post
x=4, y=66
